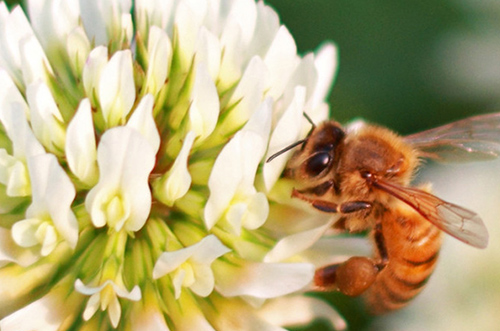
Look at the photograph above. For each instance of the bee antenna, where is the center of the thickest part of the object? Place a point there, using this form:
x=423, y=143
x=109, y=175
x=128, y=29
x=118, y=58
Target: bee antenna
x=289, y=147
x=309, y=120
x=286, y=149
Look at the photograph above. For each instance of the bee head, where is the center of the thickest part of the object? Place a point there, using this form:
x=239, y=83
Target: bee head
x=318, y=155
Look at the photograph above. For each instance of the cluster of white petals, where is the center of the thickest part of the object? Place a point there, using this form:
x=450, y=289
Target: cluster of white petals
x=134, y=192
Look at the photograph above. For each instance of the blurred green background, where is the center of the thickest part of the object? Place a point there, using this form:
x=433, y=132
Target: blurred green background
x=391, y=55
x=408, y=65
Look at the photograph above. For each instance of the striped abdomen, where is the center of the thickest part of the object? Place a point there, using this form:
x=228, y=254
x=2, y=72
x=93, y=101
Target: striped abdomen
x=412, y=245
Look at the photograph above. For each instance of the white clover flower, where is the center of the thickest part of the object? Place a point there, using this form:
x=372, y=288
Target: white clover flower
x=133, y=189
x=190, y=266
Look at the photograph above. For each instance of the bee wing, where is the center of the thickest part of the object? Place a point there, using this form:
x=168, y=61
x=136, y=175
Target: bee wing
x=471, y=139
x=461, y=223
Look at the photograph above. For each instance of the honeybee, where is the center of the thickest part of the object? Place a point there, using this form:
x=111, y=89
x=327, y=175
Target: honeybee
x=364, y=173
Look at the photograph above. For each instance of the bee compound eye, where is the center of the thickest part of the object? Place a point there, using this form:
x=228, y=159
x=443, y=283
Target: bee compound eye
x=317, y=163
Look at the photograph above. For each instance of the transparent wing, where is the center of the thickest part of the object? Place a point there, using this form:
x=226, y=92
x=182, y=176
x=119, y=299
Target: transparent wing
x=461, y=223
x=471, y=139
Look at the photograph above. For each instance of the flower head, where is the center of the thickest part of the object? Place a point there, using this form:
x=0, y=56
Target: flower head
x=132, y=178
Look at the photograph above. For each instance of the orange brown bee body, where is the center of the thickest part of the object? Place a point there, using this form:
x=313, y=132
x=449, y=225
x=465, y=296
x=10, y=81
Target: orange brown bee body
x=413, y=246
x=364, y=174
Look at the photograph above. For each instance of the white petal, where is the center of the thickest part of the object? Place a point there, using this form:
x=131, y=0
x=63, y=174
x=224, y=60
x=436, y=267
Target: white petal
x=320, y=253
x=251, y=214
x=281, y=59
x=53, y=193
x=143, y=121
x=53, y=20
x=117, y=88
x=35, y=65
x=16, y=28
x=23, y=140
x=232, y=56
x=14, y=176
x=18, y=183
x=103, y=19
x=78, y=47
x=126, y=30
x=97, y=60
x=286, y=132
x=133, y=295
x=262, y=280
x=159, y=59
x=204, y=284
x=6, y=163
x=149, y=13
x=114, y=312
x=49, y=241
x=18, y=281
x=81, y=150
x=305, y=75
x=11, y=252
x=204, y=251
x=187, y=315
x=23, y=232
x=170, y=261
x=300, y=310
x=117, y=211
x=176, y=182
x=208, y=249
x=326, y=63
x=258, y=210
x=125, y=159
x=237, y=315
x=244, y=14
x=6, y=58
x=9, y=93
x=224, y=180
x=188, y=19
x=296, y=243
x=45, y=314
x=208, y=51
x=147, y=316
x=234, y=217
x=248, y=93
x=177, y=280
x=96, y=205
x=46, y=120
x=266, y=28
x=91, y=307
x=254, y=142
x=205, y=107
x=87, y=290
x=8, y=205
x=236, y=165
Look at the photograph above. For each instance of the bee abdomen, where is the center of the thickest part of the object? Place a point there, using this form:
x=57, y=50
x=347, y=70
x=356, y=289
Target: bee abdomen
x=413, y=246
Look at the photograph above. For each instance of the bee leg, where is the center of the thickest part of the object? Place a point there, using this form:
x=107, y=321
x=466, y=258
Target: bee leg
x=326, y=206
x=352, y=277
x=341, y=225
x=354, y=206
x=330, y=207
x=357, y=274
x=344, y=208
x=380, y=245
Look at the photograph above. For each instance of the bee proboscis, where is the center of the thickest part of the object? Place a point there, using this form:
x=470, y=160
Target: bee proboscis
x=363, y=173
